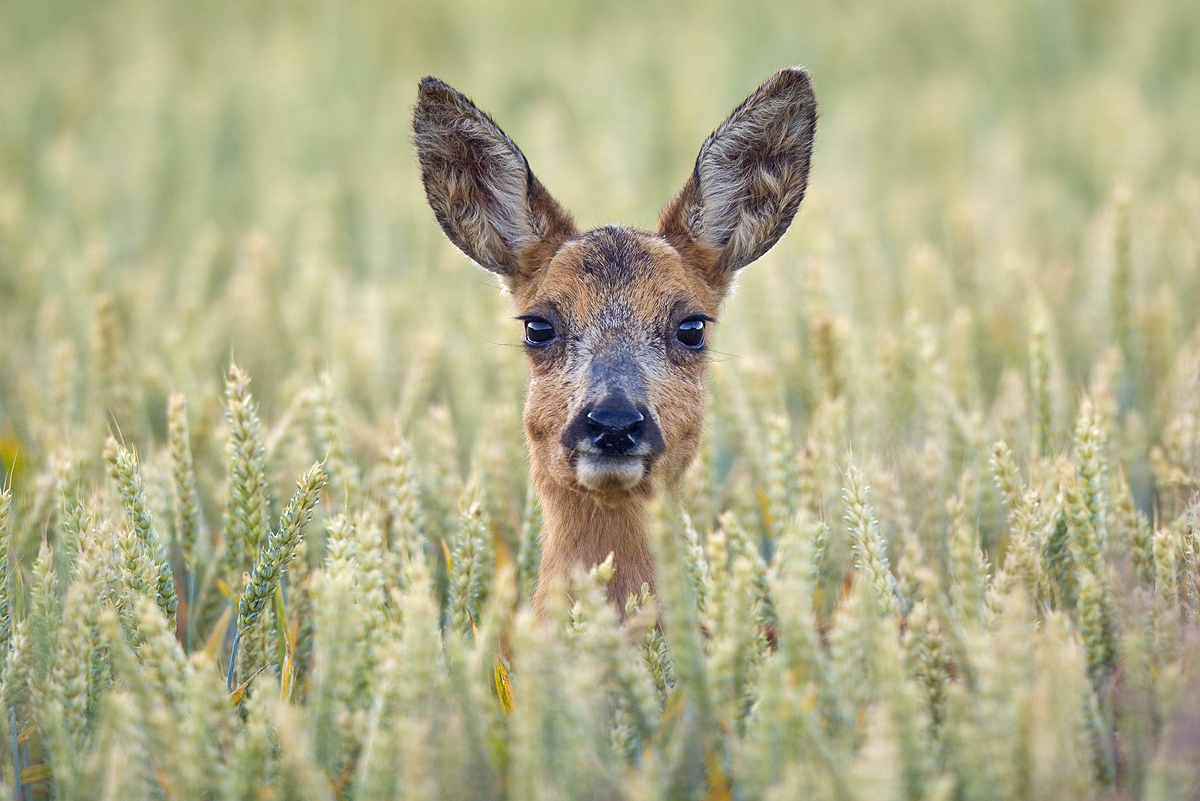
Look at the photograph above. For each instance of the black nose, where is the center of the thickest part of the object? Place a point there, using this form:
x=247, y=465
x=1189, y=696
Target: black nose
x=615, y=418
x=615, y=428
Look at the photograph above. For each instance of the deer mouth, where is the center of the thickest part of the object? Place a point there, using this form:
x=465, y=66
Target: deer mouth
x=605, y=473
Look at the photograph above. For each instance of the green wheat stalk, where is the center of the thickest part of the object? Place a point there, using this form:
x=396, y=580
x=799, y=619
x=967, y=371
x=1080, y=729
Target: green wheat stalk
x=183, y=475
x=123, y=469
x=277, y=552
x=867, y=542
x=246, y=513
x=6, y=569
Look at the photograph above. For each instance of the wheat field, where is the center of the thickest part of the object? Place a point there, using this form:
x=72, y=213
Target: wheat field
x=265, y=528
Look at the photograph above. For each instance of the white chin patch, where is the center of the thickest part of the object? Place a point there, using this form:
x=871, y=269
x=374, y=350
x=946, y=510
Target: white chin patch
x=609, y=473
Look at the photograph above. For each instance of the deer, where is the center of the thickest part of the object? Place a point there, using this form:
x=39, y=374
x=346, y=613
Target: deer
x=615, y=319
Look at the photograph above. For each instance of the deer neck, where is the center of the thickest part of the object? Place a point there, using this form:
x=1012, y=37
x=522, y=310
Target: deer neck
x=579, y=531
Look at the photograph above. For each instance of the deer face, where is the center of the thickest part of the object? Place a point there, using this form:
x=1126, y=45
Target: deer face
x=615, y=333
x=615, y=319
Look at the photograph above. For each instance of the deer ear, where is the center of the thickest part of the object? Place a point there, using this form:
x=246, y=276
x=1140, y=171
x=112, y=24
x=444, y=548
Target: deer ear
x=749, y=178
x=481, y=188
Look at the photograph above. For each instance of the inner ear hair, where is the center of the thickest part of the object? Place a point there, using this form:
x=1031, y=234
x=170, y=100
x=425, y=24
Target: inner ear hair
x=480, y=186
x=749, y=178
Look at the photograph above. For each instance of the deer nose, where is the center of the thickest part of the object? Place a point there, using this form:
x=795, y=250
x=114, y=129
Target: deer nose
x=615, y=428
x=615, y=419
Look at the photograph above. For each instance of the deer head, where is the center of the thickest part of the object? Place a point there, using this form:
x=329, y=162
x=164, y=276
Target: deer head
x=615, y=319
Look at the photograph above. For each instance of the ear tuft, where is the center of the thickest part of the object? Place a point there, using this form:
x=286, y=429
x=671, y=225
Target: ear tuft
x=479, y=184
x=751, y=174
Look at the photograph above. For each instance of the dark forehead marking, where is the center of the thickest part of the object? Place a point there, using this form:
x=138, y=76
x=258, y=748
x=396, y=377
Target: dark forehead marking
x=616, y=254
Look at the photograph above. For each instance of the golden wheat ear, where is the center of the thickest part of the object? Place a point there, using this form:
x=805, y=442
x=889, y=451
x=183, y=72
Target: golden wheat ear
x=750, y=175
x=480, y=186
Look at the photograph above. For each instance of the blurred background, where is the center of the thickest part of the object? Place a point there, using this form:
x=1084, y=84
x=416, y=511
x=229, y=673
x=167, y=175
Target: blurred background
x=184, y=184
x=1001, y=241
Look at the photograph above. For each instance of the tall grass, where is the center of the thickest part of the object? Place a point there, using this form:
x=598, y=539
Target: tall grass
x=943, y=539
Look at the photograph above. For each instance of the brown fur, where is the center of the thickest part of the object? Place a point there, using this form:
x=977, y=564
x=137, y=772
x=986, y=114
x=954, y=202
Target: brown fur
x=615, y=297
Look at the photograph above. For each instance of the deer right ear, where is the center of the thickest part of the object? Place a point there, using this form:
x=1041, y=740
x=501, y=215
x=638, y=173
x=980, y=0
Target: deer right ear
x=481, y=188
x=749, y=178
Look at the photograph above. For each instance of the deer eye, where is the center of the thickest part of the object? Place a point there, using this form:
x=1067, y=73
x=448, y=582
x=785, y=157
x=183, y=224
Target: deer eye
x=691, y=334
x=538, y=332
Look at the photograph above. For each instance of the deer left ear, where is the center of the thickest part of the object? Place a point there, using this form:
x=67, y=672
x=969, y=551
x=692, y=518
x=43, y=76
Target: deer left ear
x=480, y=187
x=749, y=178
